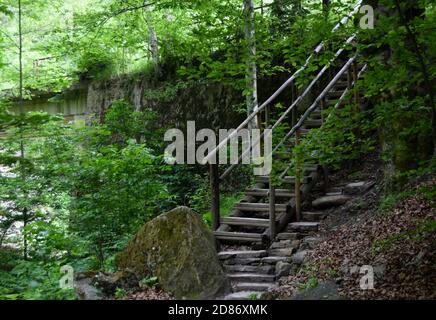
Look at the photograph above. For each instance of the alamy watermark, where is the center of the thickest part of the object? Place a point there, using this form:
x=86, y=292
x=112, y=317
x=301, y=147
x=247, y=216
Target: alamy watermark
x=367, y=20
x=67, y=277
x=251, y=141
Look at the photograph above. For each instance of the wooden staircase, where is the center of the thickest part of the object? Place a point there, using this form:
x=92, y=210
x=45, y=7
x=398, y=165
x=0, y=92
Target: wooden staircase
x=250, y=219
x=269, y=219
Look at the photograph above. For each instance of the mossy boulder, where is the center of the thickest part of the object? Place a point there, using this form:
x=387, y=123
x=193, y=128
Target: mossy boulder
x=179, y=249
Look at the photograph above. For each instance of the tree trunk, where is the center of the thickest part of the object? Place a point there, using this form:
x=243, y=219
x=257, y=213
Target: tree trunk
x=154, y=48
x=23, y=173
x=153, y=42
x=326, y=8
x=251, y=68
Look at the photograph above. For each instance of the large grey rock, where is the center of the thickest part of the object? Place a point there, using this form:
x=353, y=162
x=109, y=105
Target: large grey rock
x=299, y=257
x=330, y=201
x=310, y=242
x=85, y=288
x=108, y=283
x=179, y=249
x=283, y=269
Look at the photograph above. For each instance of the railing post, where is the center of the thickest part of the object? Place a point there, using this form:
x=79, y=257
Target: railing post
x=267, y=116
x=215, y=192
x=272, y=210
x=323, y=107
x=350, y=82
x=297, y=181
x=356, y=92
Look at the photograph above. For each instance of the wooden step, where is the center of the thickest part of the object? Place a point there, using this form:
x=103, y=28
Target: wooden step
x=259, y=207
x=310, y=123
x=251, y=277
x=335, y=94
x=249, y=222
x=317, y=114
x=238, y=236
x=304, y=131
x=287, y=179
x=280, y=193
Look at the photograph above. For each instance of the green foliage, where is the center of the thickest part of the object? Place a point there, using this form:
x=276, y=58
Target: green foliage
x=33, y=280
x=96, y=62
x=120, y=293
x=252, y=296
x=149, y=282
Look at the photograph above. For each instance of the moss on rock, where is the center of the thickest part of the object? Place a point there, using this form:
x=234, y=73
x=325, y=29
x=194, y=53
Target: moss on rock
x=179, y=249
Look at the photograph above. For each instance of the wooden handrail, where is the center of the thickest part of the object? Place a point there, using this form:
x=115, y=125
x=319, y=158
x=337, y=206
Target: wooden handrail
x=315, y=103
x=341, y=98
x=288, y=110
x=260, y=108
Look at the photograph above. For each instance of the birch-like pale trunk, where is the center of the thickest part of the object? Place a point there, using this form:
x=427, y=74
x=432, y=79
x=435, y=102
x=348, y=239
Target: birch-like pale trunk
x=153, y=41
x=251, y=68
x=154, y=47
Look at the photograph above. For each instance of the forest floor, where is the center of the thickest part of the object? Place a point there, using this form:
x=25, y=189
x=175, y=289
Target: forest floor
x=395, y=235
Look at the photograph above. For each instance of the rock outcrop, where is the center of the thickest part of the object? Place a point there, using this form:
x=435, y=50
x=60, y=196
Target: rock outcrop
x=179, y=249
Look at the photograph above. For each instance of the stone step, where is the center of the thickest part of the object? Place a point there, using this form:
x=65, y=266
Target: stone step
x=303, y=226
x=280, y=193
x=285, y=244
x=287, y=236
x=242, y=261
x=244, y=295
x=284, y=252
x=238, y=236
x=273, y=260
x=259, y=207
x=224, y=255
x=330, y=201
x=314, y=216
x=358, y=187
x=251, y=277
x=243, y=221
x=252, y=286
x=263, y=269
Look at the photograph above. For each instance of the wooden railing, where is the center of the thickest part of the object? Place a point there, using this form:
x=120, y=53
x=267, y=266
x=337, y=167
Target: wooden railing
x=292, y=110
